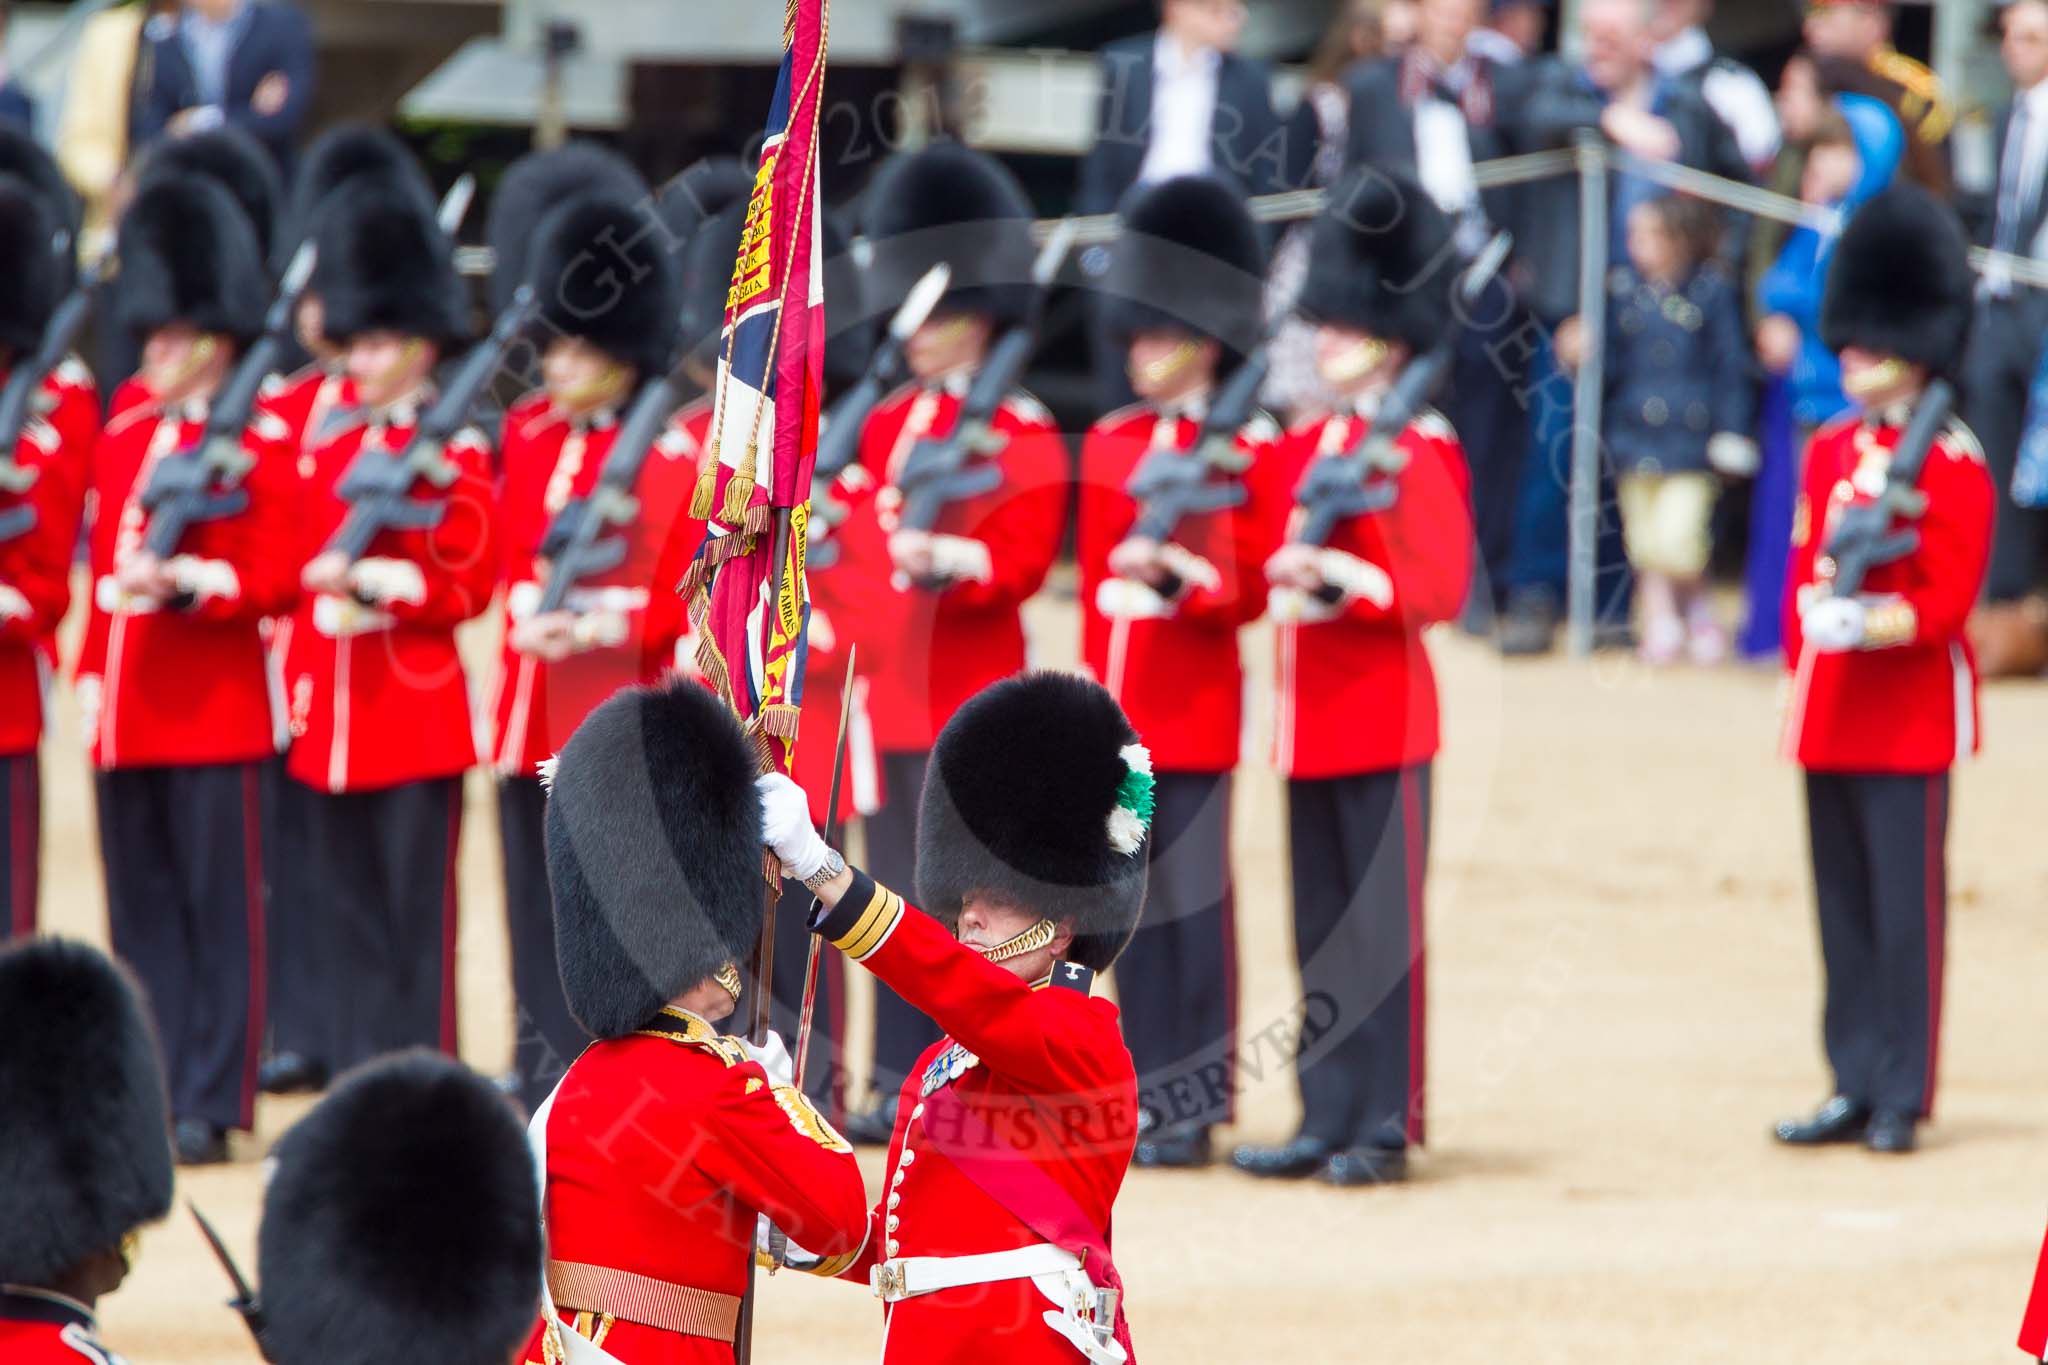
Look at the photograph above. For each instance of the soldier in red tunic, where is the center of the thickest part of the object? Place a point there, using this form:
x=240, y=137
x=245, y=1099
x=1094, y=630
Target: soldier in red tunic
x=992, y=1241
x=379, y=704
x=1356, y=707
x=87, y=1153
x=666, y=1142
x=1884, y=688
x=2034, y=1326
x=184, y=722
x=314, y=402
x=401, y=1222
x=618, y=627
x=943, y=604
x=1161, y=606
x=41, y=500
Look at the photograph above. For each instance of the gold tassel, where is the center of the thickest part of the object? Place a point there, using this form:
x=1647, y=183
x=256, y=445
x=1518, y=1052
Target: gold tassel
x=780, y=720
x=739, y=490
x=706, y=492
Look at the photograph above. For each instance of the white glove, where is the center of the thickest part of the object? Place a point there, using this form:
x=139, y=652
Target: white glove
x=204, y=578
x=1834, y=624
x=773, y=1057
x=1125, y=599
x=13, y=604
x=1356, y=577
x=960, y=558
x=786, y=827
x=384, y=581
x=793, y=1256
x=1733, y=454
x=1293, y=607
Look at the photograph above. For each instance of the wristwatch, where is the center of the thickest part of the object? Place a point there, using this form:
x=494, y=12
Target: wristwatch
x=833, y=865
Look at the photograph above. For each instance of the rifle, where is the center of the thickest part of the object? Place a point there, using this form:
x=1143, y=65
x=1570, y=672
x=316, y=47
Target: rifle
x=1344, y=485
x=20, y=397
x=839, y=437
x=378, y=483
x=1862, y=537
x=944, y=470
x=203, y=481
x=1169, y=486
x=576, y=546
x=244, y=1302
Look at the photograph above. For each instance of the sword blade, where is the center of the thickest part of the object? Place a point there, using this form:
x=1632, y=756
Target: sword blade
x=918, y=304
x=455, y=204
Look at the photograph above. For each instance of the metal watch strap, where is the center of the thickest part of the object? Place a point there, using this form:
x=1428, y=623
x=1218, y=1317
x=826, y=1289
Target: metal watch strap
x=835, y=863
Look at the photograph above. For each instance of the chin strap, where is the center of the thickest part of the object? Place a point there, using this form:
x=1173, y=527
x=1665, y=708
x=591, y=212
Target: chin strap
x=728, y=979
x=1030, y=941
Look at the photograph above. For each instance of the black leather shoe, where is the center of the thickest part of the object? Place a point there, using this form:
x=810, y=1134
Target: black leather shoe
x=1291, y=1160
x=1891, y=1132
x=1365, y=1166
x=874, y=1128
x=1529, y=625
x=1176, y=1148
x=199, y=1143
x=291, y=1073
x=1841, y=1119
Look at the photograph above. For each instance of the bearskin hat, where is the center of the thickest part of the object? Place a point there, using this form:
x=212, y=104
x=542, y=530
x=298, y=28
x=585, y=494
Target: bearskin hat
x=30, y=233
x=1900, y=282
x=708, y=262
x=1379, y=260
x=1190, y=259
x=949, y=203
x=534, y=187
x=21, y=155
x=1039, y=795
x=603, y=272
x=85, y=1149
x=850, y=342
x=232, y=157
x=700, y=192
x=654, y=852
x=337, y=157
x=402, y=1222
x=384, y=265
x=188, y=254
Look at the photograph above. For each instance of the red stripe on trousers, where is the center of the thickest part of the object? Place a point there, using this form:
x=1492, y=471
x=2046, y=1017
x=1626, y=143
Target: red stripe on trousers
x=1229, y=947
x=23, y=837
x=252, y=895
x=1937, y=920
x=1418, y=1014
x=448, y=921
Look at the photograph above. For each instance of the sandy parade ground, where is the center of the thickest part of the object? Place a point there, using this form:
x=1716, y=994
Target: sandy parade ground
x=1622, y=995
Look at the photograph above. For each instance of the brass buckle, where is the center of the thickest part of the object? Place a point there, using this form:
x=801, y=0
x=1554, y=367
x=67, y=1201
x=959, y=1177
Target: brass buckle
x=889, y=1281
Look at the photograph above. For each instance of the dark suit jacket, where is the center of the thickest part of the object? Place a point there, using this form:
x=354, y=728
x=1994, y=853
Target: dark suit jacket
x=16, y=107
x=1383, y=129
x=276, y=38
x=1558, y=105
x=1245, y=139
x=1980, y=211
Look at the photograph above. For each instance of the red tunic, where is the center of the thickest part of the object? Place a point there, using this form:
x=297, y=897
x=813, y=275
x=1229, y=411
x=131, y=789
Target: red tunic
x=1907, y=701
x=1178, y=676
x=310, y=401
x=188, y=686
x=547, y=461
x=2034, y=1326
x=378, y=696
x=934, y=650
x=37, y=565
x=662, y=1148
x=1356, y=694
x=1050, y=1076
x=38, y=1327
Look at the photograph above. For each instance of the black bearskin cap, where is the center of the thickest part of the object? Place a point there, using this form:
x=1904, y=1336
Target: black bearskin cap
x=85, y=1149
x=188, y=254
x=707, y=279
x=1189, y=259
x=950, y=203
x=384, y=265
x=1378, y=260
x=37, y=241
x=1017, y=806
x=534, y=187
x=1900, y=283
x=850, y=335
x=233, y=158
x=700, y=192
x=603, y=271
x=21, y=155
x=403, y=1222
x=654, y=852
x=341, y=154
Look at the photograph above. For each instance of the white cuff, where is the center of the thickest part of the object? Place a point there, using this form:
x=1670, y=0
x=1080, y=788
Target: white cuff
x=338, y=618
x=13, y=604
x=1124, y=599
x=1293, y=607
x=108, y=597
x=600, y=630
x=1189, y=567
x=522, y=599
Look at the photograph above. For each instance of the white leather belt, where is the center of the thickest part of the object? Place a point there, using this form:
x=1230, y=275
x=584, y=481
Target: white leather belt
x=908, y=1276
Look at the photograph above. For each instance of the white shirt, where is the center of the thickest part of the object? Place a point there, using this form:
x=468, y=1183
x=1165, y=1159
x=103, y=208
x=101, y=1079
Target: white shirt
x=2020, y=173
x=1443, y=160
x=1736, y=94
x=1183, y=110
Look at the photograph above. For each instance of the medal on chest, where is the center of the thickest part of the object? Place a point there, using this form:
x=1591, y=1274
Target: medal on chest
x=949, y=1066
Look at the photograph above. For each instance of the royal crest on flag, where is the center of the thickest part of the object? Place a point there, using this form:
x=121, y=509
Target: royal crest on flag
x=746, y=590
